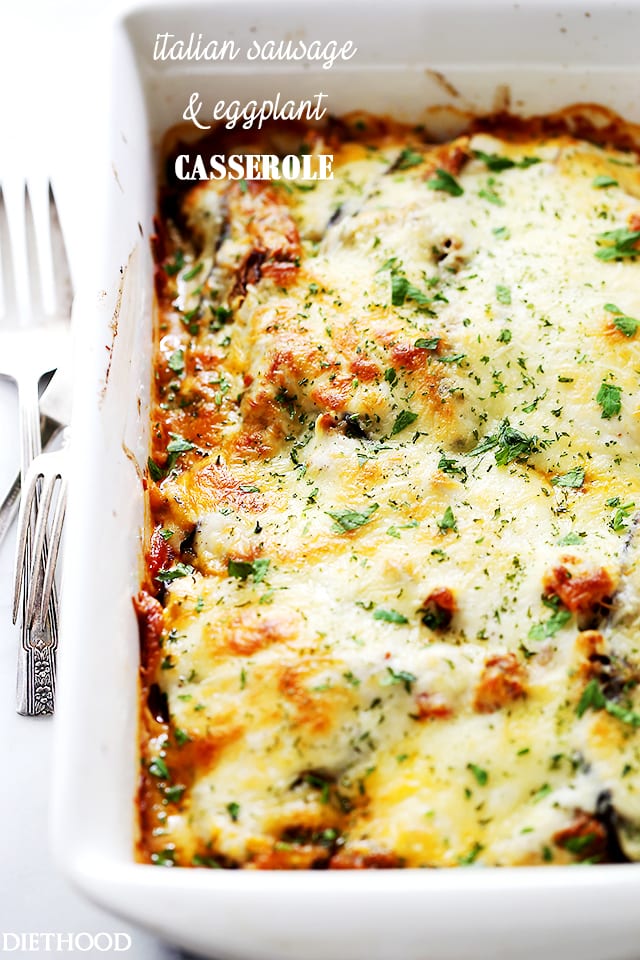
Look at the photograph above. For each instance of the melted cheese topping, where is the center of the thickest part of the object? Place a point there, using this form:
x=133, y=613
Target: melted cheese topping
x=396, y=475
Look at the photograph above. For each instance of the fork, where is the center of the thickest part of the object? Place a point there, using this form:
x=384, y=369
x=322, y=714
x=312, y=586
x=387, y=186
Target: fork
x=46, y=478
x=35, y=294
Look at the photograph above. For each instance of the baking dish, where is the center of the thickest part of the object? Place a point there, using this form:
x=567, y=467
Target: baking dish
x=410, y=57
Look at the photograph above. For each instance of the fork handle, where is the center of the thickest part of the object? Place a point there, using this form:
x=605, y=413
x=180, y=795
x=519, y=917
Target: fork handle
x=36, y=674
x=35, y=692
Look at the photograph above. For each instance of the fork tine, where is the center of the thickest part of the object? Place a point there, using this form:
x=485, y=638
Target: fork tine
x=54, y=547
x=15, y=198
x=39, y=192
x=24, y=524
x=38, y=550
x=62, y=270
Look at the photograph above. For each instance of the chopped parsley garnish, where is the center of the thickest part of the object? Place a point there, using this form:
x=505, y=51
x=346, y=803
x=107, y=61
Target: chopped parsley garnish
x=626, y=325
x=608, y=396
x=594, y=699
x=407, y=159
x=210, y=862
x=175, y=572
x=175, y=447
x=319, y=783
x=402, y=290
x=623, y=511
x=158, y=768
x=243, y=569
x=404, y=419
x=617, y=244
x=176, y=361
x=503, y=294
x=174, y=794
x=394, y=531
x=389, y=616
x=488, y=193
x=346, y=520
x=221, y=315
x=181, y=736
x=351, y=678
x=573, y=478
x=454, y=358
x=448, y=521
x=570, y=539
x=549, y=628
x=399, y=676
x=604, y=181
x=234, y=810
x=472, y=856
x=542, y=792
x=190, y=274
x=579, y=844
x=452, y=467
x=509, y=444
x=497, y=163
x=445, y=182
x=178, y=263
x=505, y=336
x=481, y=775
x=155, y=472
x=427, y=343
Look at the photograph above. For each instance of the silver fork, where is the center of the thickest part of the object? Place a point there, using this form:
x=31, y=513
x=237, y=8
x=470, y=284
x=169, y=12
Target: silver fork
x=46, y=481
x=35, y=294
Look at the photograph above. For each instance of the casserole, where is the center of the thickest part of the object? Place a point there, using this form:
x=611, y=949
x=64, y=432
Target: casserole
x=368, y=393
x=379, y=915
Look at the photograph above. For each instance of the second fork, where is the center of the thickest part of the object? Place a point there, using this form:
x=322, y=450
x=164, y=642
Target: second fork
x=35, y=295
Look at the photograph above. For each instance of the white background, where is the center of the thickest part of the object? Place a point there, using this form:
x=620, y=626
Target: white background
x=52, y=56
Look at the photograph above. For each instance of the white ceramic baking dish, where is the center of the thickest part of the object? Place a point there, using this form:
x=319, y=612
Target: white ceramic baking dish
x=547, y=54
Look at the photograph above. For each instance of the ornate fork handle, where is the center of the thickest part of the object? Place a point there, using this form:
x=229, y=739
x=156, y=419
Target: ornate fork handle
x=35, y=692
x=42, y=511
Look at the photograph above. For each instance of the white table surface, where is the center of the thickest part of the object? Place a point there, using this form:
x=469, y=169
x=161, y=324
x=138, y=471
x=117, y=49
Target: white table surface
x=50, y=68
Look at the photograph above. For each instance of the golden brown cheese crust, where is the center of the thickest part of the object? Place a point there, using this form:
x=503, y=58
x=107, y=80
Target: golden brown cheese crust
x=391, y=610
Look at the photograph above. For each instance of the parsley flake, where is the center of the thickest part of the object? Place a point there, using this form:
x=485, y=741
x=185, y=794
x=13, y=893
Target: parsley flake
x=481, y=775
x=503, y=294
x=347, y=520
x=404, y=419
x=175, y=573
x=243, y=569
x=389, y=616
x=617, y=244
x=549, y=628
x=399, y=676
x=608, y=396
x=448, y=521
x=445, y=182
x=604, y=181
x=574, y=478
x=408, y=158
x=509, y=444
